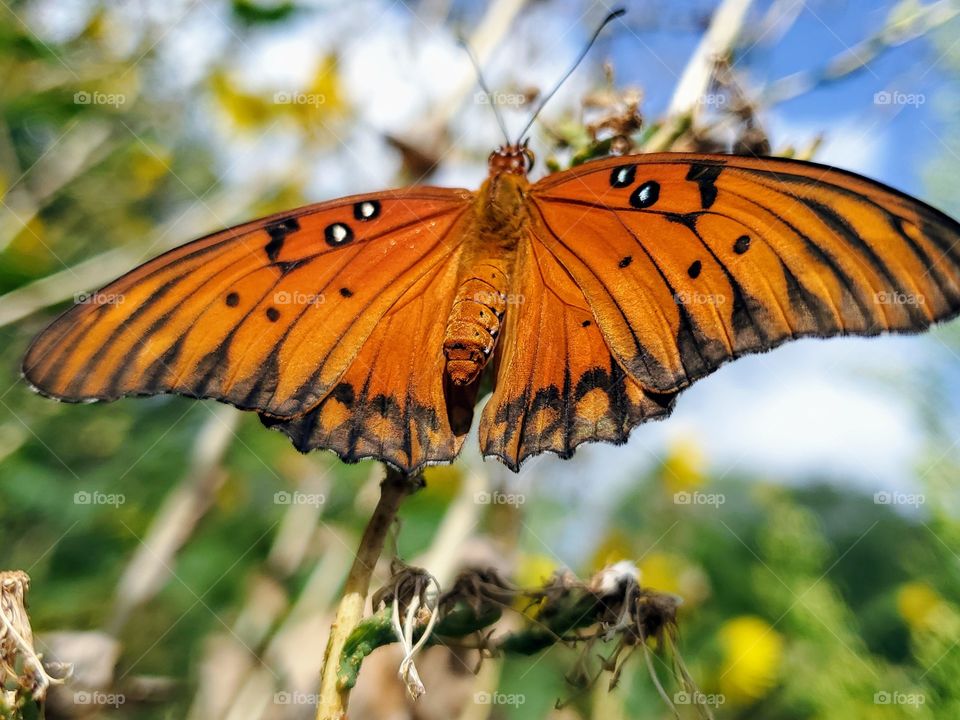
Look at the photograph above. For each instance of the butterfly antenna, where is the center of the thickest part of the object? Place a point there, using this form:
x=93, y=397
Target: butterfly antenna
x=485, y=88
x=596, y=33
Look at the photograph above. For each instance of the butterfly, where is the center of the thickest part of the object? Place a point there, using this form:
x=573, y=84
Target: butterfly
x=593, y=297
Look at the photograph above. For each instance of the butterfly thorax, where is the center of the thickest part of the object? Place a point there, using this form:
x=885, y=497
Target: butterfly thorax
x=495, y=228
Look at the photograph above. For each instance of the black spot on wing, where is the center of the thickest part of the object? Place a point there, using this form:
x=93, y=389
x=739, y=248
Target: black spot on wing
x=688, y=220
x=343, y=393
x=366, y=210
x=646, y=195
x=337, y=234
x=623, y=176
x=705, y=175
x=278, y=232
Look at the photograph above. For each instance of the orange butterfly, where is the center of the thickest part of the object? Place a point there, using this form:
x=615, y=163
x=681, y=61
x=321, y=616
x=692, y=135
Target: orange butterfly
x=364, y=325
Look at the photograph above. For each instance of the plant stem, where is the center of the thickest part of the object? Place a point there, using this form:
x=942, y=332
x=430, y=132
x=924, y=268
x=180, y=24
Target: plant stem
x=332, y=703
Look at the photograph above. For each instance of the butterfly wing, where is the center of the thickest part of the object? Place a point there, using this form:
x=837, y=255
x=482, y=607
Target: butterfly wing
x=391, y=403
x=557, y=383
x=268, y=316
x=688, y=261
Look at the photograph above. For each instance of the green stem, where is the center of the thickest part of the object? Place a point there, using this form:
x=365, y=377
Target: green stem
x=334, y=695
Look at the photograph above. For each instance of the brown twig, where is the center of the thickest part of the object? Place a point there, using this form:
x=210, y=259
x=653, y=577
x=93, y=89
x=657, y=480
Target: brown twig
x=332, y=702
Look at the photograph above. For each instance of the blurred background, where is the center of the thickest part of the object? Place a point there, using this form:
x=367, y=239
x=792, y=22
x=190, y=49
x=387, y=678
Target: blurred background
x=804, y=502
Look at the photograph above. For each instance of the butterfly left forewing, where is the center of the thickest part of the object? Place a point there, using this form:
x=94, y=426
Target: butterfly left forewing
x=690, y=260
x=265, y=316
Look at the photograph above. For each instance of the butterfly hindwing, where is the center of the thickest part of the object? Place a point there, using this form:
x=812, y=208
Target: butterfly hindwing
x=392, y=403
x=688, y=261
x=557, y=384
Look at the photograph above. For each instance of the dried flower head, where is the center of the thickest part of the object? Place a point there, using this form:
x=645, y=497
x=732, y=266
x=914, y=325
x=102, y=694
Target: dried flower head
x=16, y=643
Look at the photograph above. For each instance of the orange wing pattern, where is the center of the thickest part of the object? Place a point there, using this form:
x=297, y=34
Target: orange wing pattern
x=557, y=385
x=392, y=403
x=691, y=260
x=266, y=316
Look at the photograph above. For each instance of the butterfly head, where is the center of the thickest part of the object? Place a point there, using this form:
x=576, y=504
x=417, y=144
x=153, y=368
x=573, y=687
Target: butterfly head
x=515, y=159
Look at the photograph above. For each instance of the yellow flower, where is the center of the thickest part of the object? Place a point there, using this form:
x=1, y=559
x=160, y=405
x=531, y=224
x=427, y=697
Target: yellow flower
x=533, y=571
x=245, y=110
x=613, y=548
x=919, y=605
x=752, y=653
x=684, y=467
x=661, y=571
x=443, y=481
x=148, y=166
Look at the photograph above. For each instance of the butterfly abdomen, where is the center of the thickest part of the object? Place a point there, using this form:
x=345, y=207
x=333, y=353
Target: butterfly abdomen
x=474, y=322
x=481, y=299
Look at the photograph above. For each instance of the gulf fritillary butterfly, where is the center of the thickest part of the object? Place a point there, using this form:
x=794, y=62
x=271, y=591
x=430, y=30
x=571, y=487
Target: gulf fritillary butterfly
x=363, y=325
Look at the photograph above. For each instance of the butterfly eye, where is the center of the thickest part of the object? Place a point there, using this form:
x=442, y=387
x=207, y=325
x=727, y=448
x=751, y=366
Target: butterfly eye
x=531, y=158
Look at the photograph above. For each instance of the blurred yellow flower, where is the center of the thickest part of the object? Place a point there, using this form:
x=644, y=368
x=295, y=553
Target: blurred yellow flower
x=674, y=574
x=752, y=653
x=148, y=165
x=661, y=571
x=614, y=547
x=245, y=110
x=919, y=605
x=533, y=571
x=309, y=107
x=684, y=467
x=443, y=481
x=29, y=249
